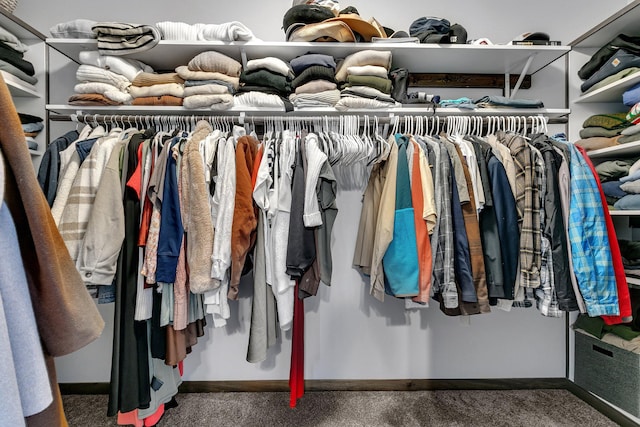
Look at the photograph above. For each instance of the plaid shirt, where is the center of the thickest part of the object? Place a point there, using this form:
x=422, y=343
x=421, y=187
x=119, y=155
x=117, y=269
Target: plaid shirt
x=590, y=252
x=528, y=205
x=443, y=270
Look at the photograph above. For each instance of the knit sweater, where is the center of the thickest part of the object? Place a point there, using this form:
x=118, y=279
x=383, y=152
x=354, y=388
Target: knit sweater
x=364, y=57
x=128, y=68
x=212, y=61
x=270, y=63
x=215, y=102
x=90, y=73
x=109, y=91
x=173, y=89
x=187, y=74
x=150, y=79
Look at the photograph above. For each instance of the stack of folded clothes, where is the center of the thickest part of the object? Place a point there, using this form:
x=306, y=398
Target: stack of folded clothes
x=122, y=38
x=157, y=89
x=211, y=79
x=265, y=82
x=629, y=189
x=226, y=32
x=314, y=83
x=614, y=61
x=610, y=172
x=602, y=131
x=31, y=126
x=361, y=90
x=12, y=62
x=105, y=79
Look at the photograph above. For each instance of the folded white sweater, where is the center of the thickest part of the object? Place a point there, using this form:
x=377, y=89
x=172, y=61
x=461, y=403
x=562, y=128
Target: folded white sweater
x=109, y=91
x=270, y=63
x=209, y=89
x=215, y=102
x=90, y=73
x=173, y=89
x=259, y=99
x=228, y=31
x=129, y=68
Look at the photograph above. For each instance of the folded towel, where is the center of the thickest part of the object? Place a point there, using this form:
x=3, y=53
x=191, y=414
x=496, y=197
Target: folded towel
x=129, y=68
x=150, y=79
x=187, y=74
x=381, y=58
x=270, y=63
x=119, y=38
x=215, y=102
x=173, y=89
x=212, y=61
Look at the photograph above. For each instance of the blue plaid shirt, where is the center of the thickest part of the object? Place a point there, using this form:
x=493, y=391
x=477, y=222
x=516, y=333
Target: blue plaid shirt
x=590, y=252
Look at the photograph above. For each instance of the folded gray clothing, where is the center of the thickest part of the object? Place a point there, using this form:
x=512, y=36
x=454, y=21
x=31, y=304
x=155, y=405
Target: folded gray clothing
x=502, y=101
x=89, y=73
x=129, y=68
x=31, y=143
x=381, y=58
x=215, y=102
x=613, y=169
x=119, y=38
x=210, y=89
x=592, y=131
x=9, y=38
x=32, y=127
x=631, y=187
x=270, y=63
x=631, y=130
x=11, y=69
x=173, y=89
x=109, y=91
x=191, y=83
x=355, y=102
x=75, y=29
x=329, y=97
x=613, y=78
x=187, y=74
x=367, y=92
x=624, y=139
x=212, y=61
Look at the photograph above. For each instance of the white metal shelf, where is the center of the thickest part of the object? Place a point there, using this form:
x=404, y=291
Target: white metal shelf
x=625, y=21
x=623, y=150
x=419, y=58
x=624, y=212
x=18, y=87
x=612, y=92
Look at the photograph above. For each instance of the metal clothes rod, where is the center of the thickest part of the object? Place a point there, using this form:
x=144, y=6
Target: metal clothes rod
x=262, y=119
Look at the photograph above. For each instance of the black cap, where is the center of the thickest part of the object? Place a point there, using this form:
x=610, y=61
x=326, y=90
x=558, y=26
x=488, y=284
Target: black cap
x=306, y=14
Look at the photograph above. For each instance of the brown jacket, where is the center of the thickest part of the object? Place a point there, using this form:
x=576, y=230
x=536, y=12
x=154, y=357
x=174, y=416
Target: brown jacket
x=67, y=317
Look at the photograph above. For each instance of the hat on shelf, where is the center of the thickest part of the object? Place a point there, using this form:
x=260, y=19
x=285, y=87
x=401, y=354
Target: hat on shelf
x=365, y=29
x=334, y=31
x=431, y=29
x=457, y=34
x=533, y=36
x=305, y=14
x=333, y=5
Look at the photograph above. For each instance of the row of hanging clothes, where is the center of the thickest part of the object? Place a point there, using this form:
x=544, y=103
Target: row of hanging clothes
x=166, y=215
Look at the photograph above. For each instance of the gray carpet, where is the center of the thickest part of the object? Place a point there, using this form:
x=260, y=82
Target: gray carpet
x=345, y=408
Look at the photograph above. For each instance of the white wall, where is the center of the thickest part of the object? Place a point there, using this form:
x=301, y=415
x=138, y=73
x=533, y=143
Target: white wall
x=349, y=334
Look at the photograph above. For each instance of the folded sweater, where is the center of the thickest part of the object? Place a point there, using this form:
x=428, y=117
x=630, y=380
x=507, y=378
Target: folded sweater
x=270, y=63
x=90, y=73
x=187, y=74
x=215, y=102
x=381, y=58
x=173, y=89
x=212, y=61
x=129, y=68
x=109, y=91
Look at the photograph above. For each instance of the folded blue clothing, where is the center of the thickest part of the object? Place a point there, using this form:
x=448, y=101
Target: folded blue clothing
x=502, y=101
x=634, y=176
x=612, y=189
x=628, y=202
x=463, y=102
x=631, y=96
x=301, y=63
x=32, y=127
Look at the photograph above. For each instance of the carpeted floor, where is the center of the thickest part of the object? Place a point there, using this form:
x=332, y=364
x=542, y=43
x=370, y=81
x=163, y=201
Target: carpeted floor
x=344, y=408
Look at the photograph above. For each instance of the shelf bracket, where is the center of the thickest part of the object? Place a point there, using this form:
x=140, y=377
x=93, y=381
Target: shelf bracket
x=525, y=69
